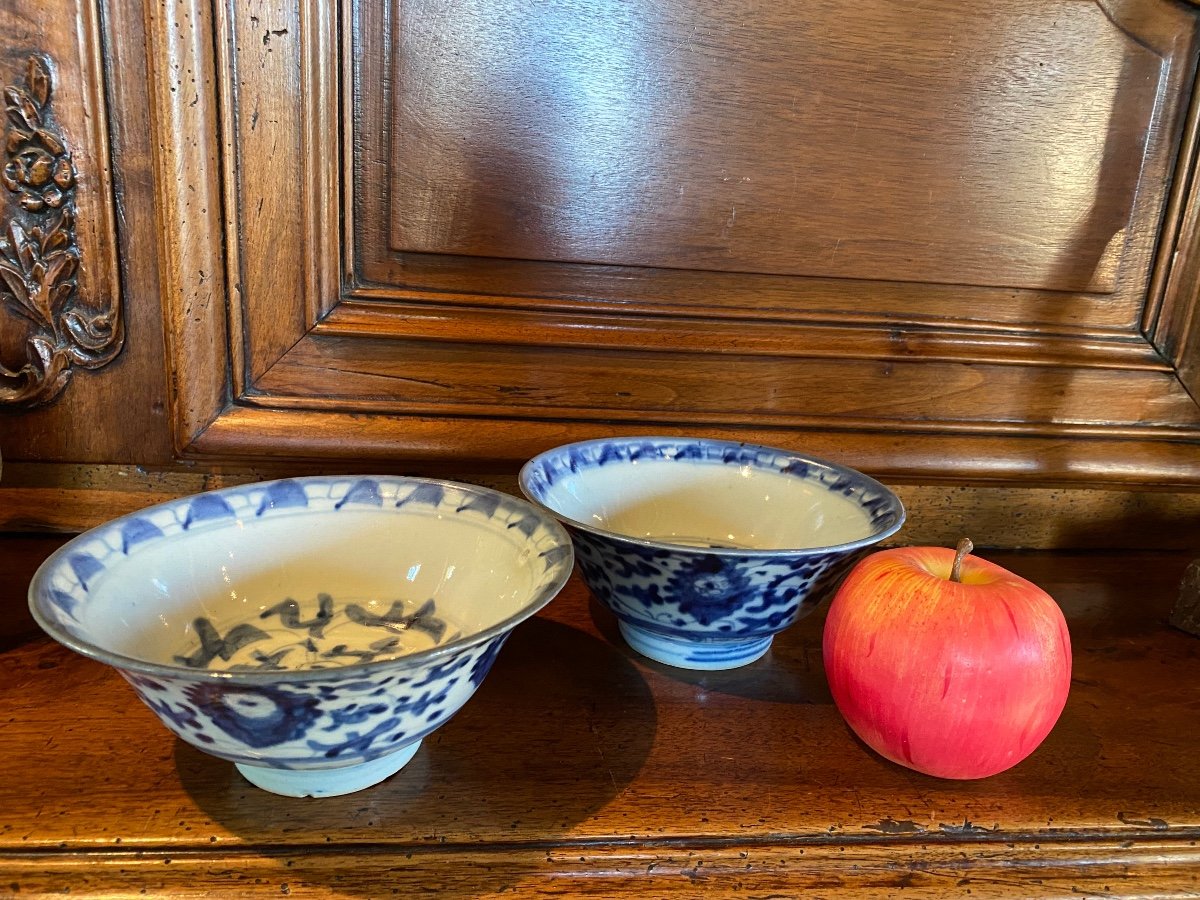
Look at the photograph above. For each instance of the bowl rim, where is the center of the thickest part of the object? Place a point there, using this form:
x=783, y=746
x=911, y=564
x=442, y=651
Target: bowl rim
x=540, y=599
x=527, y=470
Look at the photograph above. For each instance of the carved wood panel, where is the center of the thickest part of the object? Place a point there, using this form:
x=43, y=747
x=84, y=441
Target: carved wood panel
x=39, y=253
x=80, y=287
x=60, y=302
x=935, y=246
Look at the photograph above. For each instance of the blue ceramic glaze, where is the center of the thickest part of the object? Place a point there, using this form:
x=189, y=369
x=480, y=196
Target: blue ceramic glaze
x=714, y=606
x=270, y=681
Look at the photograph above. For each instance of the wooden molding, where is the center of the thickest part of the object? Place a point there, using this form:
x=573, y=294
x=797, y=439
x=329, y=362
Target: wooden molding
x=1172, y=323
x=366, y=313
x=196, y=284
x=324, y=339
x=463, y=444
x=74, y=498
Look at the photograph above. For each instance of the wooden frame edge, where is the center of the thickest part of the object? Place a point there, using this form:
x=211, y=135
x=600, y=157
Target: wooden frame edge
x=188, y=187
x=47, y=497
x=246, y=433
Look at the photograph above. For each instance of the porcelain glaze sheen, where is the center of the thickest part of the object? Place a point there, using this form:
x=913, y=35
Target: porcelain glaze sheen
x=311, y=630
x=706, y=549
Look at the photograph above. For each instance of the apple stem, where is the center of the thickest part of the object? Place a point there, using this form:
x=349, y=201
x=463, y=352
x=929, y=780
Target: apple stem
x=964, y=547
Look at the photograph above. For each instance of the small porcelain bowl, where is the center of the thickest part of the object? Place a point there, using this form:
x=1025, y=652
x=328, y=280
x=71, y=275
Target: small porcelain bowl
x=706, y=549
x=311, y=630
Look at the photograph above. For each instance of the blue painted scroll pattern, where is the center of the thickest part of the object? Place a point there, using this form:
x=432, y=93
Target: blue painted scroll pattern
x=690, y=594
x=82, y=564
x=710, y=595
x=280, y=637
x=324, y=722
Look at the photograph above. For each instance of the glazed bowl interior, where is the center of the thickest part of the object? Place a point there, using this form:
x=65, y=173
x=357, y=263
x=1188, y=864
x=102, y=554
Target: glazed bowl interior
x=316, y=585
x=706, y=494
x=705, y=549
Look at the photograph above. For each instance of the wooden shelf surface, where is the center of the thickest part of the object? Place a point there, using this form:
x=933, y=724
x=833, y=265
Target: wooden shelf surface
x=581, y=769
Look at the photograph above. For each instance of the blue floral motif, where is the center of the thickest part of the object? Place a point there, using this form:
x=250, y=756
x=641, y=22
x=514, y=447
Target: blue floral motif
x=609, y=453
x=710, y=590
x=444, y=670
x=288, y=611
x=281, y=495
x=483, y=663
x=487, y=504
x=353, y=715
x=266, y=713
x=259, y=716
x=556, y=556
x=727, y=595
x=364, y=491
x=214, y=645
x=708, y=596
x=527, y=525
x=357, y=744
x=431, y=494
x=85, y=566
x=635, y=562
x=692, y=592
x=346, y=722
x=427, y=701
x=314, y=648
x=181, y=716
x=64, y=602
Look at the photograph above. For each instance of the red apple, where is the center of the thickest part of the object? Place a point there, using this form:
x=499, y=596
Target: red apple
x=946, y=663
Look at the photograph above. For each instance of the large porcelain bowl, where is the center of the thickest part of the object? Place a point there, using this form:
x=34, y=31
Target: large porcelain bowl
x=311, y=630
x=706, y=549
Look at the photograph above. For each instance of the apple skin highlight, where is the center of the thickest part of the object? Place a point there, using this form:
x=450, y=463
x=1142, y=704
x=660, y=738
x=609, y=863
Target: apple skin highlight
x=952, y=679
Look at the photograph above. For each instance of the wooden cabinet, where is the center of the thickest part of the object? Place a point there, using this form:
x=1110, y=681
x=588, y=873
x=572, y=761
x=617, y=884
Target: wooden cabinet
x=953, y=245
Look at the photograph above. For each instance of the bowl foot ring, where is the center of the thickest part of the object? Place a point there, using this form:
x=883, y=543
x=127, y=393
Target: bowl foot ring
x=328, y=782
x=703, y=655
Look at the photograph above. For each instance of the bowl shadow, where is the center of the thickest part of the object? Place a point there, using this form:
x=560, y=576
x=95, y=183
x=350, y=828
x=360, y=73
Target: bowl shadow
x=562, y=724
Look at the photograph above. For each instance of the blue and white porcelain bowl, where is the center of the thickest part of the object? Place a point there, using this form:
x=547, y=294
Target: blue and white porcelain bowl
x=706, y=549
x=311, y=630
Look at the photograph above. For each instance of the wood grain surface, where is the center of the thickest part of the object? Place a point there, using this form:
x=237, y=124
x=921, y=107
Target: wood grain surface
x=581, y=769
x=41, y=497
x=814, y=140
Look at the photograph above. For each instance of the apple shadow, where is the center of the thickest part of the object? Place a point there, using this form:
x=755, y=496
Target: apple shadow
x=561, y=725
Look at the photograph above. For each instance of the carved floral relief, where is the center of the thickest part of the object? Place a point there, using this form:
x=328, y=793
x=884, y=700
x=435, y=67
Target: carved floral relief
x=39, y=253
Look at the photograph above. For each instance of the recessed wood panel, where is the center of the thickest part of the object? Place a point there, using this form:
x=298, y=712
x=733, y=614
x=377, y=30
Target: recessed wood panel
x=1059, y=148
x=960, y=287
x=995, y=144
